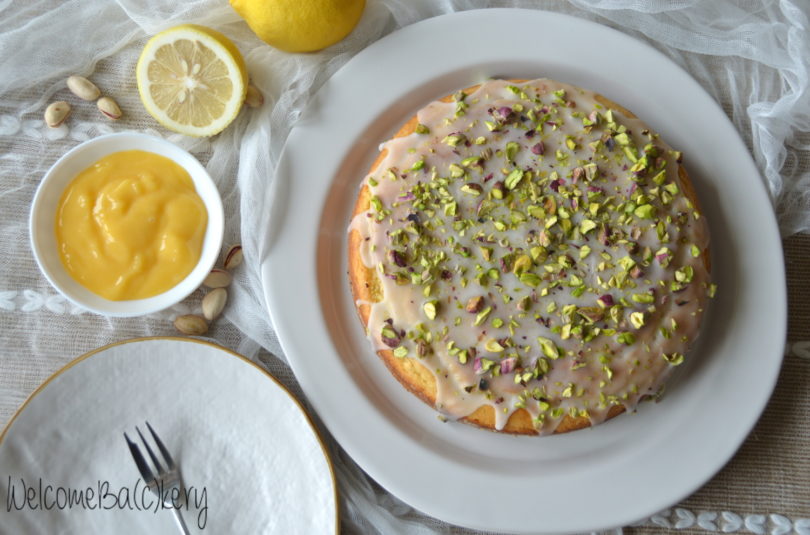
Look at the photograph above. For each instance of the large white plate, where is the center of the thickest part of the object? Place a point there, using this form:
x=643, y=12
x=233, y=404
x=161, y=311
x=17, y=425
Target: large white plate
x=604, y=477
x=249, y=455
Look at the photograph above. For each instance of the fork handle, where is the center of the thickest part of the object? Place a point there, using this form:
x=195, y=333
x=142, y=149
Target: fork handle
x=178, y=519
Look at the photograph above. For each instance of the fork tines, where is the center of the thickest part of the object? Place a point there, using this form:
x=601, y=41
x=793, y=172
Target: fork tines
x=140, y=461
x=156, y=481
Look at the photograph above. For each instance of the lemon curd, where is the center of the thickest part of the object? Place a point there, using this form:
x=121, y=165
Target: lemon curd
x=130, y=226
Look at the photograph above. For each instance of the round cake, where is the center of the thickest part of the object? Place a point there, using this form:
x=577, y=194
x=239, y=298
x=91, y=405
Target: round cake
x=529, y=257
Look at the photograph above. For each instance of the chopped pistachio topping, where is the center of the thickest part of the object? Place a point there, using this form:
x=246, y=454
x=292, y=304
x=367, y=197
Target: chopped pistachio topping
x=626, y=338
x=532, y=214
x=430, y=308
x=482, y=316
x=512, y=149
x=531, y=279
x=493, y=346
x=645, y=211
x=549, y=349
x=637, y=319
x=454, y=139
x=513, y=179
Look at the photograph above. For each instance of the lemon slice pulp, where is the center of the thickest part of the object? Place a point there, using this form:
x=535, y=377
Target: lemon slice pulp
x=192, y=80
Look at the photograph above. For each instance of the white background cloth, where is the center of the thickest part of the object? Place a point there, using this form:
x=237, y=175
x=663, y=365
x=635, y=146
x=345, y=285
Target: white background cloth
x=751, y=56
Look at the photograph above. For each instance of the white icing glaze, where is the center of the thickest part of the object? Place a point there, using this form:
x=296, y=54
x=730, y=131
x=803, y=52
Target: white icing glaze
x=589, y=376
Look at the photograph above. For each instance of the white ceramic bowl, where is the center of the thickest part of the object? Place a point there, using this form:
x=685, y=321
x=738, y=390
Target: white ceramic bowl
x=43, y=222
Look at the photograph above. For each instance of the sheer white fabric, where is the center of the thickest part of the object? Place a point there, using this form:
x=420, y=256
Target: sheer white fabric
x=750, y=55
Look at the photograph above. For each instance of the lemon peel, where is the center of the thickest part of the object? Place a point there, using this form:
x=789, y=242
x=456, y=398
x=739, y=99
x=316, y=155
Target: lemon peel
x=296, y=26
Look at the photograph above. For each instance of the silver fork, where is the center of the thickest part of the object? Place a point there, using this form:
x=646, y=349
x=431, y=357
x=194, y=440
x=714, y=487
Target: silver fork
x=165, y=480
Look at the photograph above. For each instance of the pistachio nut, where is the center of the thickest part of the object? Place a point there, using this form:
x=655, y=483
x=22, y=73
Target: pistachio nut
x=233, y=257
x=191, y=324
x=109, y=108
x=430, y=309
x=253, y=97
x=475, y=304
x=83, y=88
x=213, y=303
x=218, y=278
x=56, y=113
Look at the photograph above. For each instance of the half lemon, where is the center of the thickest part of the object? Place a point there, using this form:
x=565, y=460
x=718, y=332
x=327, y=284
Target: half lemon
x=192, y=80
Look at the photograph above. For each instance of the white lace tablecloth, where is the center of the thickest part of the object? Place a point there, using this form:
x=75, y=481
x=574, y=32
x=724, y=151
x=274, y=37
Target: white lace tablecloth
x=752, y=56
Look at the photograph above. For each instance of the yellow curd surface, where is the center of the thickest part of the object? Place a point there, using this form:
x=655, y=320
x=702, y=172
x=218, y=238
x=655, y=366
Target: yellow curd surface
x=131, y=225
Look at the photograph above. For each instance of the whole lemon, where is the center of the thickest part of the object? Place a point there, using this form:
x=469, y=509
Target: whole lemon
x=300, y=25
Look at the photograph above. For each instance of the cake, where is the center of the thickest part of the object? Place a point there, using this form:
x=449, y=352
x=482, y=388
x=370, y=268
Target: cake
x=529, y=257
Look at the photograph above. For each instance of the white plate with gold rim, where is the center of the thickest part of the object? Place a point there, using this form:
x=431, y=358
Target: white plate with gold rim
x=252, y=462
x=608, y=476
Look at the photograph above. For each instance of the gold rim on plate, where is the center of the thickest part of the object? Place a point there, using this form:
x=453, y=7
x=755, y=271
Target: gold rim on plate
x=295, y=400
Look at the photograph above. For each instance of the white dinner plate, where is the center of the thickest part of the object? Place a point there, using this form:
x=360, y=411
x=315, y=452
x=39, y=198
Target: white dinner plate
x=250, y=458
x=608, y=476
